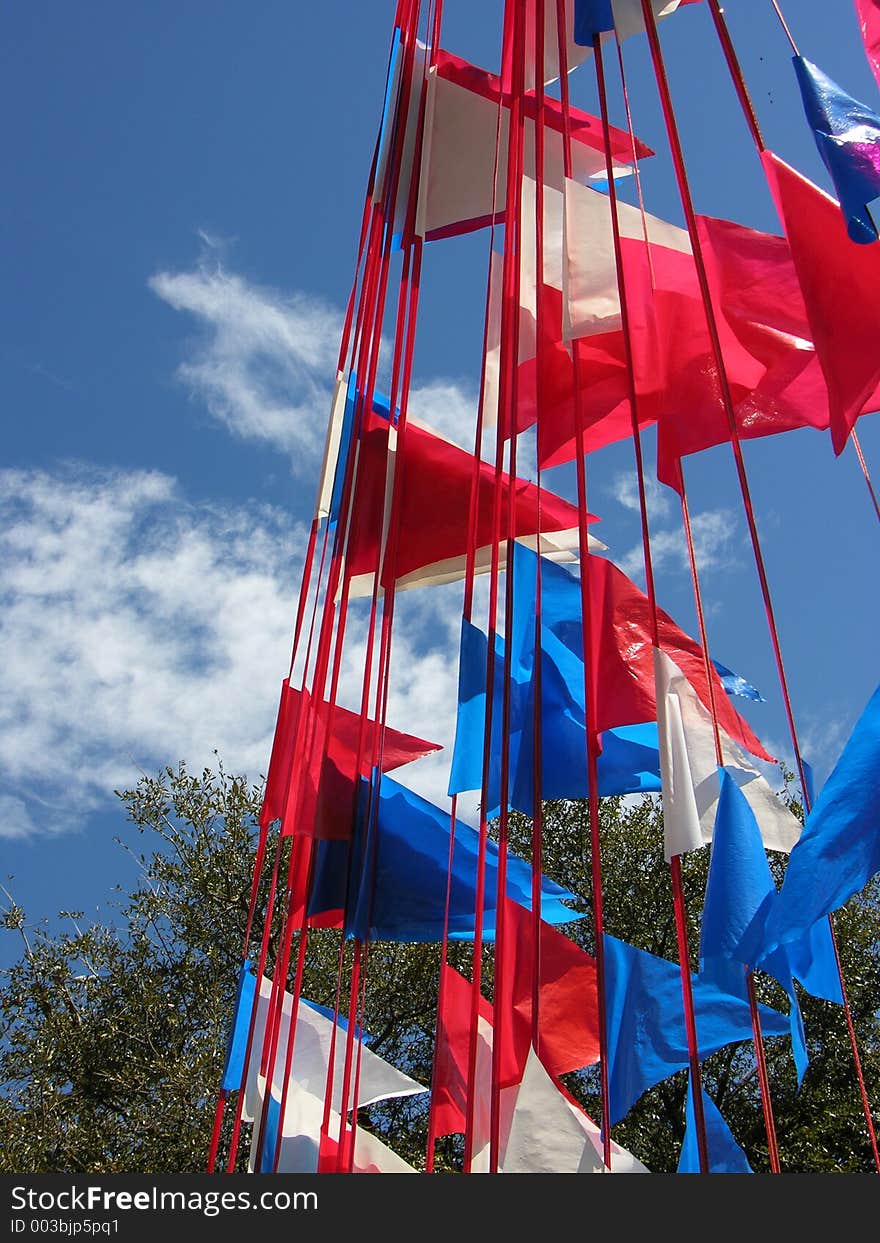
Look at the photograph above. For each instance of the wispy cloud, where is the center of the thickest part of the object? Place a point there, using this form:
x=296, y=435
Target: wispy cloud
x=139, y=630
x=625, y=490
x=264, y=362
x=716, y=534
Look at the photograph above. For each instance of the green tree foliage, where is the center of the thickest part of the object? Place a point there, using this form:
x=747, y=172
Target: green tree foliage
x=112, y=1036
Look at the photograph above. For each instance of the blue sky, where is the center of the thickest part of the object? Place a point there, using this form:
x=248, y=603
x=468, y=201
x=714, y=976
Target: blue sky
x=179, y=223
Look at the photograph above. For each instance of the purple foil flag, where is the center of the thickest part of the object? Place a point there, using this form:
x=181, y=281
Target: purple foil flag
x=847, y=134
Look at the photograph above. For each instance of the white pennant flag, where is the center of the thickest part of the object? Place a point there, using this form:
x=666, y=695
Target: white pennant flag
x=301, y=1139
x=311, y=1058
x=689, y=770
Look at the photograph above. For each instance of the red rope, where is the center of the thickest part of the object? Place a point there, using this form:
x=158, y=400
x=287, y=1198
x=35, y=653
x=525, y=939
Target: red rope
x=587, y=639
x=741, y=89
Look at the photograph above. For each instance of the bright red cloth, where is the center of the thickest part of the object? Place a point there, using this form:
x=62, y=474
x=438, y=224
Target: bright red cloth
x=435, y=488
x=840, y=281
x=311, y=792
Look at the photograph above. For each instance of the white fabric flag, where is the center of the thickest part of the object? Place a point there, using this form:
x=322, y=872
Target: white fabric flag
x=628, y=18
x=622, y=1161
x=527, y=342
x=483, y=1098
x=689, y=771
x=545, y=1133
x=311, y=1058
x=301, y=1139
x=591, y=299
x=543, y=1136
x=458, y=157
x=540, y=1131
x=331, y=446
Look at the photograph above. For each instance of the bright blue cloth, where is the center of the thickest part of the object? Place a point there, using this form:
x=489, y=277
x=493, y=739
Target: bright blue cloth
x=270, y=1134
x=647, y=1038
x=725, y=1154
x=735, y=684
x=629, y=762
x=393, y=880
x=591, y=17
x=839, y=849
x=740, y=892
x=233, y=1071
x=847, y=134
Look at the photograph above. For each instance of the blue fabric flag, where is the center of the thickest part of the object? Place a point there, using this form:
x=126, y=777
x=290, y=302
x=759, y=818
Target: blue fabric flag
x=839, y=849
x=629, y=762
x=233, y=1071
x=735, y=684
x=847, y=134
x=591, y=17
x=725, y=1154
x=395, y=874
x=270, y=1134
x=647, y=1039
x=739, y=894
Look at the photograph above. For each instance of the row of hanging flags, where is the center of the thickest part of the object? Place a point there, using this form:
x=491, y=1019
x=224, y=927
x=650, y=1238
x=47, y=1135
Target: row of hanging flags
x=601, y=320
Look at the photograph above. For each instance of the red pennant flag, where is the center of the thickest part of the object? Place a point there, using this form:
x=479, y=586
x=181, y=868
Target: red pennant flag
x=774, y=373
x=841, y=288
x=312, y=771
x=435, y=488
x=868, y=13
x=623, y=659
x=449, y=1087
x=568, y=1017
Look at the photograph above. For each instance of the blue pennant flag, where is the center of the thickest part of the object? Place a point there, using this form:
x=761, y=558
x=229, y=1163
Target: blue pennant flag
x=847, y=134
x=647, y=1038
x=233, y=1071
x=839, y=850
x=740, y=892
x=725, y=1154
x=735, y=684
x=629, y=762
x=591, y=17
x=391, y=879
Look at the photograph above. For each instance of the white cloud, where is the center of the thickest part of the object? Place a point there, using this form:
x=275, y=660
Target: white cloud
x=716, y=535
x=140, y=630
x=625, y=490
x=16, y=819
x=265, y=362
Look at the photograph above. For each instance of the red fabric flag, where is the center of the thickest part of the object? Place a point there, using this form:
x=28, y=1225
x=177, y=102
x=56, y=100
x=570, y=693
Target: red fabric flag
x=568, y=1018
x=841, y=288
x=775, y=381
x=623, y=659
x=449, y=1087
x=312, y=771
x=435, y=489
x=868, y=13
x=766, y=336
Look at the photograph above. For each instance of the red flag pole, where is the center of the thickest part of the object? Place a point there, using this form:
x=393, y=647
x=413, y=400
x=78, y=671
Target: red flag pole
x=480, y=891
x=507, y=400
x=742, y=92
x=675, y=863
x=587, y=635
